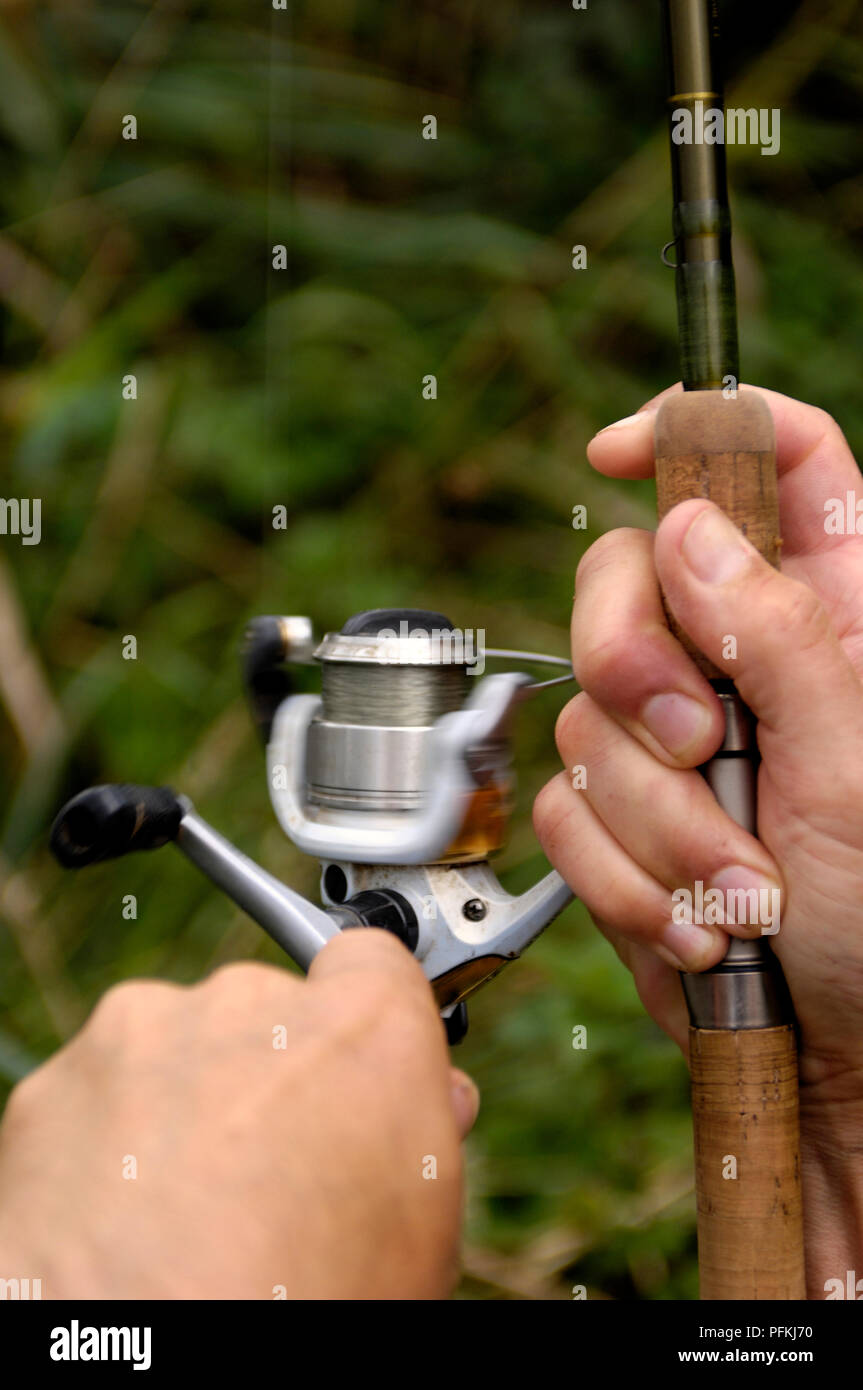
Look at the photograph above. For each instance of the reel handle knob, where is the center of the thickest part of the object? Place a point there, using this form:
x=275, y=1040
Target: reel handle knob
x=108, y=821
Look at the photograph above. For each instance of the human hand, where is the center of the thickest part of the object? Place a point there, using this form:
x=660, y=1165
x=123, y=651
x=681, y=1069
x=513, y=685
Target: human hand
x=301, y=1170
x=646, y=823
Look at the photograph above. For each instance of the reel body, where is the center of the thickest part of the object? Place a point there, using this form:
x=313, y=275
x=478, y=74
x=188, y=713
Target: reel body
x=397, y=779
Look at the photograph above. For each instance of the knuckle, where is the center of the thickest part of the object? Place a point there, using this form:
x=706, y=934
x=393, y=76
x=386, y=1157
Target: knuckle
x=24, y=1099
x=569, y=729
x=795, y=608
x=129, y=1002
x=543, y=801
x=545, y=807
x=606, y=552
x=552, y=813
x=830, y=427
x=596, y=663
x=247, y=981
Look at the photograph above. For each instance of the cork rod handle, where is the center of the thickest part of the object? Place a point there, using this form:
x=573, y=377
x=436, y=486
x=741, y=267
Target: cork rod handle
x=744, y=1079
x=747, y=1163
x=725, y=450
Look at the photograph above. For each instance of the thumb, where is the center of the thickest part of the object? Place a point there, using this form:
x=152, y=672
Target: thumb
x=768, y=633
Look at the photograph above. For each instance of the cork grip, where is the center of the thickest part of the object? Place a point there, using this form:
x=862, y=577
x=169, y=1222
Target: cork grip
x=745, y=1111
x=744, y=1080
x=707, y=446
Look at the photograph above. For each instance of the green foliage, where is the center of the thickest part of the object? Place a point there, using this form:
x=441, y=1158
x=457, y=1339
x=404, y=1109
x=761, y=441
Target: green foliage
x=302, y=388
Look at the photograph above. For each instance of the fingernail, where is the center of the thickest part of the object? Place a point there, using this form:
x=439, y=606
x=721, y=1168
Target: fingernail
x=622, y=424
x=713, y=547
x=691, y=948
x=751, y=898
x=465, y=1101
x=676, y=720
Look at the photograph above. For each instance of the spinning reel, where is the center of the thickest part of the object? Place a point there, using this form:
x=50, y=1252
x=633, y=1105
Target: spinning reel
x=397, y=778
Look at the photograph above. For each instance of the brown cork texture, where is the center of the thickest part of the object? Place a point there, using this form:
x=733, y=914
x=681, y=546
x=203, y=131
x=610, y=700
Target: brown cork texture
x=745, y=1113
x=707, y=446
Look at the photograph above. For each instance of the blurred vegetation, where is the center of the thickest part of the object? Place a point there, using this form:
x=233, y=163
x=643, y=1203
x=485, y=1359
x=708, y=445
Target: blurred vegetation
x=302, y=387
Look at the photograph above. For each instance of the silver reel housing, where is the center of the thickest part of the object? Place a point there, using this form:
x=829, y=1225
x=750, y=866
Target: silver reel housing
x=397, y=778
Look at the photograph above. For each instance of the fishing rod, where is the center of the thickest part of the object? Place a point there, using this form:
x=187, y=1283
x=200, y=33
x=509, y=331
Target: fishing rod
x=713, y=441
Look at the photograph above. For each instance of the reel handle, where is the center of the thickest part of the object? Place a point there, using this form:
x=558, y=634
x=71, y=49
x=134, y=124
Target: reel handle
x=108, y=821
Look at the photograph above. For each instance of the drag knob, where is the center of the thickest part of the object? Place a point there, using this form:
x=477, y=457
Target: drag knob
x=374, y=621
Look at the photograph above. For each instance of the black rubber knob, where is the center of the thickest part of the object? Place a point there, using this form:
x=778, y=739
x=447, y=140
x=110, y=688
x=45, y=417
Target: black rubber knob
x=377, y=620
x=105, y=822
x=265, y=677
